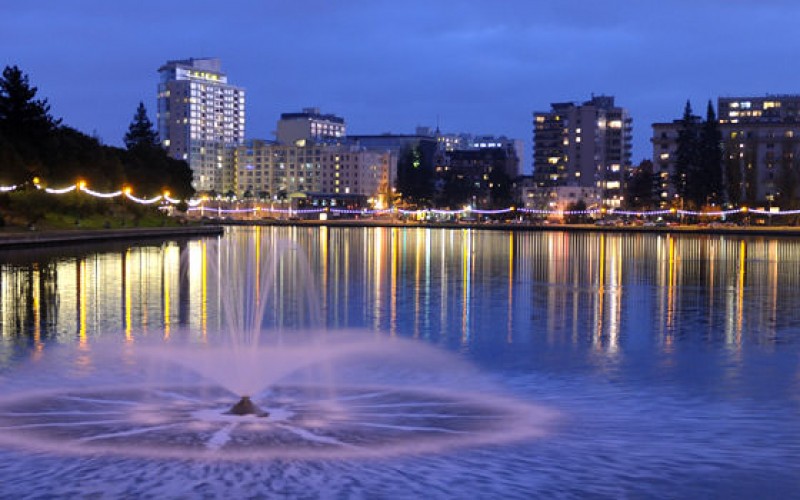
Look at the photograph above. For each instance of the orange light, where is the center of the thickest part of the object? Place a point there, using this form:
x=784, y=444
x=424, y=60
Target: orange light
x=81, y=185
x=166, y=194
x=745, y=210
x=127, y=190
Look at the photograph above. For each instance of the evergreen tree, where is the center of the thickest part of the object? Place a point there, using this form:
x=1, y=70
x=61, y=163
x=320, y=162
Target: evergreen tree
x=141, y=132
x=22, y=116
x=686, y=154
x=708, y=178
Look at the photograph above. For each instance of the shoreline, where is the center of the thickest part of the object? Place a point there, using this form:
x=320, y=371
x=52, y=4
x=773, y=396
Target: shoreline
x=12, y=240
x=788, y=231
x=45, y=238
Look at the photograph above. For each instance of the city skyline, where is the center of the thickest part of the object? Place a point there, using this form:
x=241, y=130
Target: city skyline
x=388, y=68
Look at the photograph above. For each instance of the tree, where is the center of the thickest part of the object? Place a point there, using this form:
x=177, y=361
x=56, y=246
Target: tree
x=141, y=132
x=414, y=176
x=577, y=216
x=639, y=188
x=686, y=156
x=708, y=177
x=22, y=116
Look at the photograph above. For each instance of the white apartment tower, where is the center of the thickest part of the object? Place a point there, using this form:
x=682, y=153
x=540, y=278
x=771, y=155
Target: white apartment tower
x=200, y=117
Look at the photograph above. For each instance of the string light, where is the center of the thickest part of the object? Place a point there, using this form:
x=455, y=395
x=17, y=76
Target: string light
x=197, y=204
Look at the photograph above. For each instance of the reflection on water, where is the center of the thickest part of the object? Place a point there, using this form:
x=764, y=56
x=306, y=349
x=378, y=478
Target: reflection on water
x=454, y=287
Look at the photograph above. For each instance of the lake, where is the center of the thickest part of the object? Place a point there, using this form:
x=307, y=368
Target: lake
x=670, y=364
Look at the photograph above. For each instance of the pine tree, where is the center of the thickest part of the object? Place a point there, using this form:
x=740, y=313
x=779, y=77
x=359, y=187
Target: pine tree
x=686, y=155
x=709, y=173
x=141, y=132
x=23, y=118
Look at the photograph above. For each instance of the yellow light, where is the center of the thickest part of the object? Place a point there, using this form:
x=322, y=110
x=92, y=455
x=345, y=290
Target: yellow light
x=81, y=185
x=166, y=194
x=673, y=210
x=127, y=190
x=36, y=180
x=744, y=210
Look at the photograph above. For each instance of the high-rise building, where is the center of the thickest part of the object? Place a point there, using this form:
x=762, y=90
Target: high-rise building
x=582, y=145
x=310, y=124
x=200, y=119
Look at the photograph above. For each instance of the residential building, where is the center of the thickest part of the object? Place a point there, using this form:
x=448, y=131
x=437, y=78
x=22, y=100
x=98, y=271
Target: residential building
x=200, y=116
x=582, y=145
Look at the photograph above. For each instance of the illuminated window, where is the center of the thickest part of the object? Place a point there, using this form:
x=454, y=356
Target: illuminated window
x=664, y=156
x=615, y=124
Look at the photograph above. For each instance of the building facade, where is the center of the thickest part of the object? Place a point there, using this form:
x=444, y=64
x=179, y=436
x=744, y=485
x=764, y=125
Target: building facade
x=310, y=125
x=201, y=118
x=584, y=145
x=274, y=171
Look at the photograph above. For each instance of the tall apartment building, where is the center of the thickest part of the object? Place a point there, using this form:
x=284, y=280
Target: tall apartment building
x=274, y=170
x=761, y=147
x=584, y=145
x=311, y=125
x=201, y=117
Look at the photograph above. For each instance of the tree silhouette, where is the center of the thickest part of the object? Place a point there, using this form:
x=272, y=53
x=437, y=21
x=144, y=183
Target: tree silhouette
x=141, y=132
x=20, y=114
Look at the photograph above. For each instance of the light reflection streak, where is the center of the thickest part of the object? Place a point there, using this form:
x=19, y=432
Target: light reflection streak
x=166, y=292
x=510, y=297
x=128, y=299
x=466, y=284
x=395, y=255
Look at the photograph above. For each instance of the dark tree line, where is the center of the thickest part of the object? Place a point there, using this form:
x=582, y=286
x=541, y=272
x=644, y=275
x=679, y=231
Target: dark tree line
x=698, y=177
x=34, y=144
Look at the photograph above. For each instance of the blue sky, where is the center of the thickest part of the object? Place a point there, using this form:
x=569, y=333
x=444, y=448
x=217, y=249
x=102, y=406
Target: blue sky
x=480, y=66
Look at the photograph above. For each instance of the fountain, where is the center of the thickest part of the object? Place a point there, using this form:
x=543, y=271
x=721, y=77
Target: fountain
x=243, y=391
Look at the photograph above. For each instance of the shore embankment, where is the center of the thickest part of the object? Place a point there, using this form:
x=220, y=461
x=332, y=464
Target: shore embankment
x=20, y=238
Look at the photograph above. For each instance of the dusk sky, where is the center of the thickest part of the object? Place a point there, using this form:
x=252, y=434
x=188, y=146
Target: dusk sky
x=480, y=66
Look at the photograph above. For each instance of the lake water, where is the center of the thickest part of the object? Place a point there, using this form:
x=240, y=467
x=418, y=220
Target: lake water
x=671, y=363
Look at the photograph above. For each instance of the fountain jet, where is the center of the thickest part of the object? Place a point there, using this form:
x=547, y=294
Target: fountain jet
x=246, y=407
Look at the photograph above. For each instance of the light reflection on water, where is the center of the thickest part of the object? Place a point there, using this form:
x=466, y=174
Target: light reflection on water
x=447, y=286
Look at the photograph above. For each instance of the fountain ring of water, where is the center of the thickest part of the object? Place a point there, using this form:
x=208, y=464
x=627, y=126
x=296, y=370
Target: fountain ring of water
x=305, y=422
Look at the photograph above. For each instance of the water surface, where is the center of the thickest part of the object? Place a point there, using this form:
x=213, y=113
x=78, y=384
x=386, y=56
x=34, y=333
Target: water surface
x=673, y=361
